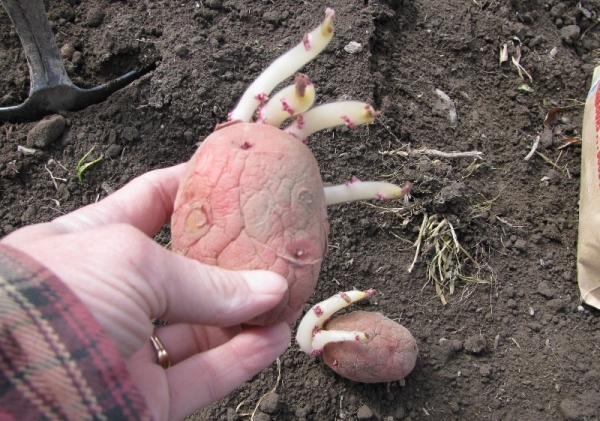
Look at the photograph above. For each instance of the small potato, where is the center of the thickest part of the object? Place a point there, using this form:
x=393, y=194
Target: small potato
x=389, y=354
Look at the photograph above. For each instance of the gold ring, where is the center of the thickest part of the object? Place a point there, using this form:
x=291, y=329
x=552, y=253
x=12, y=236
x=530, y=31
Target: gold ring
x=162, y=356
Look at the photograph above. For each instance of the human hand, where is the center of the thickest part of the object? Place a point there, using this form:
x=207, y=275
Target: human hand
x=104, y=253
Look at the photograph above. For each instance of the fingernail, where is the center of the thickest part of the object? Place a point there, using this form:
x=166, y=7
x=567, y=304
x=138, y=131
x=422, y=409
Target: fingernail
x=265, y=282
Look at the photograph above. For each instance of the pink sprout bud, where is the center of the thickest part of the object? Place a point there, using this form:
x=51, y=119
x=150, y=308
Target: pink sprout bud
x=350, y=113
x=290, y=101
x=312, y=323
x=283, y=67
x=355, y=190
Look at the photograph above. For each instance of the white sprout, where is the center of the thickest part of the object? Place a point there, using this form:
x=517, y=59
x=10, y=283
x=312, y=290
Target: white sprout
x=295, y=101
x=308, y=336
x=323, y=337
x=350, y=113
x=363, y=190
x=283, y=67
x=289, y=102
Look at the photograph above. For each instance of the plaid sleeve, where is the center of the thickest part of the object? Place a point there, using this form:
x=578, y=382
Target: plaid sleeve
x=56, y=362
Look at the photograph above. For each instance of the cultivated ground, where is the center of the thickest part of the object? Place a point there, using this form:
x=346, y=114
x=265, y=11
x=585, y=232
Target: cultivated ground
x=512, y=342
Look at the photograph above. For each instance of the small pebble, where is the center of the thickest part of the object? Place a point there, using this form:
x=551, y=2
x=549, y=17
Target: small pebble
x=270, y=404
x=353, y=47
x=182, y=51
x=46, y=131
x=570, y=34
x=454, y=407
x=364, y=413
x=545, y=289
x=213, y=4
x=67, y=50
x=130, y=134
x=114, y=151
x=77, y=58
x=95, y=18
x=556, y=305
x=475, y=344
x=485, y=370
x=272, y=17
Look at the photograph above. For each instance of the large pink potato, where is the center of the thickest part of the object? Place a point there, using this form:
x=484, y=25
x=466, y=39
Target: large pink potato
x=389, y=354
x=252, y=198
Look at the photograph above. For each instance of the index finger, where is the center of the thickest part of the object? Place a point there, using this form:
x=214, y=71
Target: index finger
x=146, y=202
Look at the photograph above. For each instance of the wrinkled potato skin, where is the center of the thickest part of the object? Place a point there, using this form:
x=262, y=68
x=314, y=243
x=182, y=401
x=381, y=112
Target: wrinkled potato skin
x=252, y=198
x=390, y=353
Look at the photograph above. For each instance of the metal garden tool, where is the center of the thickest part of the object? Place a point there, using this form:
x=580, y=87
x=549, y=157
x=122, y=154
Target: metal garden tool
x=50, y=90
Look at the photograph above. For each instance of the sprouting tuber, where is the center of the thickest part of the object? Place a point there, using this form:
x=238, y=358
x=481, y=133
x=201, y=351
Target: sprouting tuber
x=252, y=196
x=361, y=346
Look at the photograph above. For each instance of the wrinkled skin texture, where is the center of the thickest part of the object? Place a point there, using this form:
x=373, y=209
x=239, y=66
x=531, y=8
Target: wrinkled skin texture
x=389, y=354
x=252, y=198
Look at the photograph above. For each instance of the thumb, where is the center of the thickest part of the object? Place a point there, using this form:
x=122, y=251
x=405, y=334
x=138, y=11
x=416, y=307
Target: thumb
x=185, y=290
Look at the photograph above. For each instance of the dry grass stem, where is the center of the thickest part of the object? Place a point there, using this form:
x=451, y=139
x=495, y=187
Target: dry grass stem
x=548, y=160
x=446, y=265
x=54, y=178
x=433, y=152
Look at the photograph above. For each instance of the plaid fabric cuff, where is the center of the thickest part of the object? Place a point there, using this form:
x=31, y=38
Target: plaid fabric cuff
x=56, y=362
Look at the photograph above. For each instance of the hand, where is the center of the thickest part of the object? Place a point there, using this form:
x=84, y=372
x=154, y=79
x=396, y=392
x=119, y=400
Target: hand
x=104, y=253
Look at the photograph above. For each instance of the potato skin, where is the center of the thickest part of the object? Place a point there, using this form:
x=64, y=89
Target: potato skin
x=252, y=198
x=390, y=353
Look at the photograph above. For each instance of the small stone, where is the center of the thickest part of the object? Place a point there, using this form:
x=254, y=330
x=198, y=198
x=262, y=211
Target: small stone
x=364, y=413
x=213, y=4
x=189, y=136
x=558, y=10
x=114, y=151
x=270, y=404
x=272, y=17
x=454, y=407
x=181, y=51
x=545, y=289
x=570, y=34
x=520, y=245
x=556, y=305
x=485, y=370
x=77, y=58
x=46, y=131
x=475, y=344
x=456, y=345
x=95, y=18
x=130, y=134
x=353, y=47
x=67, y=50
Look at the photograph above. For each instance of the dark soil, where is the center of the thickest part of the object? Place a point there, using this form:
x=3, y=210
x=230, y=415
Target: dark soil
x=519, y=346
